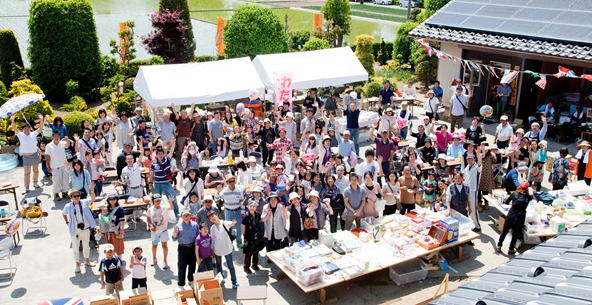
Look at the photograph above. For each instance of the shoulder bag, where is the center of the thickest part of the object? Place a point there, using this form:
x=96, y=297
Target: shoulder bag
x=399, y=205
x=83, y=193
x=189, y=193
x=231, y=234
x=462, y=104
x=169, y=175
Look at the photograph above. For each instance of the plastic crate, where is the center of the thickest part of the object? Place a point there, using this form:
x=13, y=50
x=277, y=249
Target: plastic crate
x=465, y=224
x=408, y=272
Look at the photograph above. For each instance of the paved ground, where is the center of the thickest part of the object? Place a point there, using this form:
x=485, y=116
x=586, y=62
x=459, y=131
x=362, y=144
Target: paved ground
x=46, y=268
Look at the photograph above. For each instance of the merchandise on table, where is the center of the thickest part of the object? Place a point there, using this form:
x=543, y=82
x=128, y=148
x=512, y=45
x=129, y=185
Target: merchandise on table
x=450, y=225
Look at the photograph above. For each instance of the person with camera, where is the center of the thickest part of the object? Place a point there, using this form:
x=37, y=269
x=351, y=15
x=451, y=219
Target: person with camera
x=81, y=224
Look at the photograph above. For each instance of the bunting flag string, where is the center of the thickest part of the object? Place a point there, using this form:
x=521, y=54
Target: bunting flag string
x=509, y=75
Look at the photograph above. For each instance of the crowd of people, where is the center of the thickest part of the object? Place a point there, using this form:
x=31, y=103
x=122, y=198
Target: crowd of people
x=288, y=180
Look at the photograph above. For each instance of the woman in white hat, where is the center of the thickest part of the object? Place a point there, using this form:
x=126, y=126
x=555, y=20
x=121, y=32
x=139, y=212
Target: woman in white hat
x=318, y=211
x=255, y=169
x=431, y=105
x=441, y=167
x=214, y=177
x=311, y=146
x=275, y=216
x=190, y=157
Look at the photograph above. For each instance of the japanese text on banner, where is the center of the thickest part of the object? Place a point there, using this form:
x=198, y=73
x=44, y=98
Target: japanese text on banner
x=318, y=21
x=122, y=27
x=283, y=88
x=220, y=36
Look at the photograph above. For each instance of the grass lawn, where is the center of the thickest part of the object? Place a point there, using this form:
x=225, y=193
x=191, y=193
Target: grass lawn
x=370, y=8
x=381, y=17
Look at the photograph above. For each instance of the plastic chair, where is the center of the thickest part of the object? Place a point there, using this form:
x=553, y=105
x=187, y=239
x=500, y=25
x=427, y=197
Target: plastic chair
x=6, y=255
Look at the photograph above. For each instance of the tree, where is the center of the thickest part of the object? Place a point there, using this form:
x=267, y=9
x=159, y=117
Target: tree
x=64, y=45
x=403, y=43
x=329, y=33
x=316, y=44
x=338, y=13
x=9, y=54
x=125, y=50
x=254, y=30
x=364, y=52
x=434, y=5
x=382, y=54
x=169, y=38
x=183, y=8
x=299, y=38
x=426, y=67
x=25, y=86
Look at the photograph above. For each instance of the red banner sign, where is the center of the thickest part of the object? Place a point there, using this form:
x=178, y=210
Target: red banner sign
x=283, y=88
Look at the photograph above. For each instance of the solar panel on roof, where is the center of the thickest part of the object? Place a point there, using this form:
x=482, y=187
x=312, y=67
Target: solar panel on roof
x=536, y=14
x=568, y=32
x=464, y=8
x=482, y=23
x=583, y=5
x=581, y=18
x=511, y=2
x=562, y=4
x=520, y=27
x=496, y=11
x=448, y=19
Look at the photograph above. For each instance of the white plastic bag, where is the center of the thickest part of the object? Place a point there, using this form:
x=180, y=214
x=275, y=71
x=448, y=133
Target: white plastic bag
x=172, y=217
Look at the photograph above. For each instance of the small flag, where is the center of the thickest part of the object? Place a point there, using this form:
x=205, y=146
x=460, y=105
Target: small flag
x=509, y=76
x=564, y=72
x=543, y=81
x=465, y=62
x=421, y=41
x=532, y=73
x=587, y=76
x=492, y=71
x=479, y=67
x=473, y=65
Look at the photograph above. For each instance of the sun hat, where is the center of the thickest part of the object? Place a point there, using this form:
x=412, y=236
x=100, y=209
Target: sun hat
x=404, y=103
x=252, y=159
x=267, y=120
x=274, y=195
x=191, y=169
x=257, y=189
x=138, y=109
x=455, y=136
x=431, y=92
x=504, y=117
x=585, y=143
x=469, y=142
x=72, y=192
x=327, y=138
x=389, y=109
x=412, y=145
x=493, y=146
x=156, y=196
x=520, y=130
x=346, y=133
x=544, y=143
x=111, y=195
x=442, y=156
x=290, y=115
x=353, y=95
x=522, y=166
x=470, y=156
x=294, y=195
x=314, y=193
x=213, y=169
x=196, y=114
x=231, y=177
x=312, y=136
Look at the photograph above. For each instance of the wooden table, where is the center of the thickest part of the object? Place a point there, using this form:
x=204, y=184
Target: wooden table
x=322, y=286
x=453, y=163
x=11, y=189
x=250, y=293
x=112, y=175
x=410, y=101
x=139, y=203
x=6, y=220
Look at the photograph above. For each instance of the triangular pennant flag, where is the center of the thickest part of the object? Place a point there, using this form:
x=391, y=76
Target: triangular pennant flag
x=492, y=71
x=473, y=65
x=509, y=76
x=453, y=60
x=479, y=67
x=421, y=41
x=564, y=72
x=467, y=64
x=587, y=76
x=542, y=82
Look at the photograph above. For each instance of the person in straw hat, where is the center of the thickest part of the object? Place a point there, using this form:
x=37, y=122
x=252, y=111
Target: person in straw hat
x=431, y=105
x=584, y=157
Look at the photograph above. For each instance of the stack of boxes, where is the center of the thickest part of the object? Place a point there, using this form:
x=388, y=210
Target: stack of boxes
x=450, y=225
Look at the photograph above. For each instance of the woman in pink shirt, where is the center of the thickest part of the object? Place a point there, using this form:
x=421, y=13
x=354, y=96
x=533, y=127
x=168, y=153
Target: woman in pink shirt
x=95, y=160
x=443, y=138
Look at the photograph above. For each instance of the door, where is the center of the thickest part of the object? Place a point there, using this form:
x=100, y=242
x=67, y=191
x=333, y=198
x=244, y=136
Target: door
x=530, y=90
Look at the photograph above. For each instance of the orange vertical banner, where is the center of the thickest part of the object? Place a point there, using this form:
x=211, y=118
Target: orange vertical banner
x=318, y=21
x=220, y=36
x=122, y=27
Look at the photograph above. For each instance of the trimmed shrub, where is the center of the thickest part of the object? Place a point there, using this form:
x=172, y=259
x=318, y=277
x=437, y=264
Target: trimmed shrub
x=299, y=38
x=156, y=60
x=254, y=30
x=359, y=90
x=364, y=52
x=374, y=89
x=389, y=49
x=72, y=120
x=110, y=68
x=181, y=5
x=316, y=44
x=375, y=49
x=123, y=103
x=64, y=46
x=203, y=58
x=76, y=103
x=402, y=49
x=9, y=53
x=382, y=54
x=129, y=83
x=3, y=94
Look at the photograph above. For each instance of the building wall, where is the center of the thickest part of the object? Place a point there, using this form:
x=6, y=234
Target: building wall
x=446, y=69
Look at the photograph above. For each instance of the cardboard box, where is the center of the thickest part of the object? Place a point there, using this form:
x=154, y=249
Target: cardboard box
x=110, y=299
x=166, y=294
x=186, y=301
x=207, y=288
x=138, y=296
x=450, y=225
x=500, y=223
x=185, y=291
x=170, y=301
x=8, y=149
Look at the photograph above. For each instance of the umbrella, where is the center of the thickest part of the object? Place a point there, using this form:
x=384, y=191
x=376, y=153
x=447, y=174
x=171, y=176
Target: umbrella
x=18, y=103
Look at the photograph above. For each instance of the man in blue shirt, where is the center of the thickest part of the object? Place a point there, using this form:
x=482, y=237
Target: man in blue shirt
x=312, y=101
x=455, y=149
x=387, y=95
x=503, y=91
x=345, y=145
x=185, y=232
x=438, y=90
x=158, y=174
x=353, y=126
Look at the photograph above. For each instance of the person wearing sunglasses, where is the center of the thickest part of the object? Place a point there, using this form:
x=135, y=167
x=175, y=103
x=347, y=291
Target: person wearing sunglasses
x=233, y=199
x=80, y=221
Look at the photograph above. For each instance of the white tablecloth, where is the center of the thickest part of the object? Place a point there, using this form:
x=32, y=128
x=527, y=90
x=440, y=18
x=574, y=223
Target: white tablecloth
x=366, y=119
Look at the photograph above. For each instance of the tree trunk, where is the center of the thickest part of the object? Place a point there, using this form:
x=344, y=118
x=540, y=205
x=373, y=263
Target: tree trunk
x=339, y=40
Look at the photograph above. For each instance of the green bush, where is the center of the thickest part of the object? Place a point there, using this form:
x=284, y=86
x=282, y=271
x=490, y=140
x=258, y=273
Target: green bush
x=181, y=5
x=353, y=47
x=403, y=43
x=375, y=49
x=26, y=87
x=64, y=45
x=364, y=52
x=3, y=94
x=389, y=49
x=9, y=53
x=359, y=90
x=254, y=30
x=129, y=83
x=72, y=120
x=71, y=88
x=203, y=58
x=299, y=38
x=123, y=103
x=110, y=68
x=374, y=89
x=156, y=60
x=76, y=103
x=316, y=44
x=382, y=54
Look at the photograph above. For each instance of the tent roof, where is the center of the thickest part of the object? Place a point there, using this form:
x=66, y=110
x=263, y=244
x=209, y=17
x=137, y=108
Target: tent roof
x=198, y=83
x=313, y=68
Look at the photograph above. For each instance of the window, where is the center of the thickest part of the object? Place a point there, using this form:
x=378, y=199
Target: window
x=472, y=76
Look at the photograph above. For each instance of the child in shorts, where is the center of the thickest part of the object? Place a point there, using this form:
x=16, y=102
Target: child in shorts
x=429, y=189
x=203, y=247
x=111, y=271
x=138, y=266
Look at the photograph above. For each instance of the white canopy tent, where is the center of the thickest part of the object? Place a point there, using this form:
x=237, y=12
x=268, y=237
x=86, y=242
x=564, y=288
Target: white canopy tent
x=198, y=83
x=313, y=68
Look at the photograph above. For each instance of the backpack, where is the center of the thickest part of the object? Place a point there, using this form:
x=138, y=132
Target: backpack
x=544, y=197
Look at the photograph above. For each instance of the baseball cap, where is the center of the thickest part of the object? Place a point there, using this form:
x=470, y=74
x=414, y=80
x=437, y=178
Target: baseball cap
x=109, y=247
x=156, y=196
x=208, y=197
x=137, y=247
x=470, y=156
x=346, y=132
x=290, y=115
x=186, y=211
x=404, y=103
x=138, y=109
x=353, y=95
x=504, y=117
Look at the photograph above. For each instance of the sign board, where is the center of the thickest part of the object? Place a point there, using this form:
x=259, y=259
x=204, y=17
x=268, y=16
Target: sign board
x=318, y=21
x=220, y=36
x=283, y=88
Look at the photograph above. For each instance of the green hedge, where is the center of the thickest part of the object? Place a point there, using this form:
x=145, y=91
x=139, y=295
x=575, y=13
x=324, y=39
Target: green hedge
x=72, y=120
x=316, y=44
x=376, y=48
x=181, y=5
x=9, y=53
x=64, y=45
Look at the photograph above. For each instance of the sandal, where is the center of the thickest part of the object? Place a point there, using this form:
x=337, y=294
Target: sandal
x=89, y=264
x=154, y=261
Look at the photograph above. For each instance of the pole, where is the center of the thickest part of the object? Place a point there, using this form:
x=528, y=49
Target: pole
x=409, y=2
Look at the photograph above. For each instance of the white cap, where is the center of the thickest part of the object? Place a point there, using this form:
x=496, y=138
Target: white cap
x=346, y=133
x=504, y=117
x=426, y=117
x=294, y=195
x=353, y=95
x=544, y=143
x=266, y=120
x=404, y=103
x=412, y=145
x=290, y=115
x=208, y=197
x=109, y=247
x=314, y=193
x=213, y=169
x=252, y=159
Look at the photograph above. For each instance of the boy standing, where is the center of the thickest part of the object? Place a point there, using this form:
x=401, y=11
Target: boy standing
x=138, y=266
x=111, y=271
x=158, y=222
x=203, y=249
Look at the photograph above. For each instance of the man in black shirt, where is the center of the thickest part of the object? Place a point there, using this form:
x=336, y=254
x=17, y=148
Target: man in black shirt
x=127, y=150
x=309, y=101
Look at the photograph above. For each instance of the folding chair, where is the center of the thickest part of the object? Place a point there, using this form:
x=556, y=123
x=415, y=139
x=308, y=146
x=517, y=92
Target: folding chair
x=6, y=255
x=34, y=223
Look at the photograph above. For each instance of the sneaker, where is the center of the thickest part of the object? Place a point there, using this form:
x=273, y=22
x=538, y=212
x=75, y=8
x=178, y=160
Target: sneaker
x=224, y=274
x=256, y=268
x=57, y=197
x=77, y=270
x=248, y=270
x=470, y=243
x=64, y=195
x=36, y=185
x=234, y=285
x=154, y=260
x=499, y=249
x=166, y=265
x=477, y=230
x=25, y=191
x=240, y=245
x=511, y=251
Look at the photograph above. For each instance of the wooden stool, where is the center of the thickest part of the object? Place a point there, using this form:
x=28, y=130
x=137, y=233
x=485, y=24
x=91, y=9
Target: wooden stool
x=250, y=293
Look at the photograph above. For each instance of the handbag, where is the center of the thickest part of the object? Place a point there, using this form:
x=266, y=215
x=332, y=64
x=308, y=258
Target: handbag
x=231, y=234
x=188, y=193
x=169, y=175
x=308, y=223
